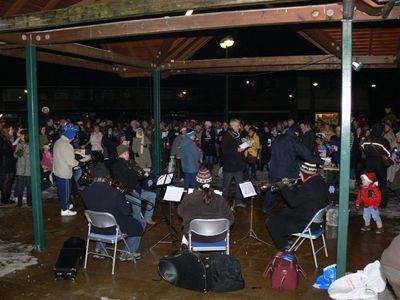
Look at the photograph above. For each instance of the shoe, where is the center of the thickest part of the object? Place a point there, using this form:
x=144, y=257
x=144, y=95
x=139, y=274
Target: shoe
x=18, y=205
x=379, y=231
x=98, y=257
x=125, y=256
x=366, y=228
x=7, y=202
x=67, y=213
x=71, y=206
x=151, y=222
x=242, y=205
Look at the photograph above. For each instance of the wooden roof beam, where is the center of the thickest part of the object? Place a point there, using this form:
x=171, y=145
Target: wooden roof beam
x=115, y=10
x=197, y=22
x=101, y=54
x=64, y=60
x=15, y=7
x=50, y=4
x=322, y=40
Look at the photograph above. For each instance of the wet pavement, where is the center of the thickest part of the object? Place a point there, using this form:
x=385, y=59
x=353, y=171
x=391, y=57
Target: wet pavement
x=141, y=281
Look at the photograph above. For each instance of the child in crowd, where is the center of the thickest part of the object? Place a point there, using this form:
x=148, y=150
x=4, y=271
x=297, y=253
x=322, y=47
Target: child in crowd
x=370, y=195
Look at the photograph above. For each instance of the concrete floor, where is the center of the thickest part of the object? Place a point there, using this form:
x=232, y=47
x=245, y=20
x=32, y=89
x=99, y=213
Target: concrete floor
x=141, y=281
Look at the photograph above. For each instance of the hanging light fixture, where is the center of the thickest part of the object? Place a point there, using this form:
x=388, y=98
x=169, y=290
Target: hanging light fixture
x=226, y=42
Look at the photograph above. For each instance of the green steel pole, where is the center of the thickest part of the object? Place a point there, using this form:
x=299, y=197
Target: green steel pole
x=33, y=128
x=345, y=148
x=226, y=92
x=157, y=120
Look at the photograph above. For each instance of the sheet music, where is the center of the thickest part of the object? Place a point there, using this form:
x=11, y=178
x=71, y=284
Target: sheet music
x=173, y=193
x=218, y=192
x=165, y=179
x=247, y=189
x=190, y=190
x=245, y=145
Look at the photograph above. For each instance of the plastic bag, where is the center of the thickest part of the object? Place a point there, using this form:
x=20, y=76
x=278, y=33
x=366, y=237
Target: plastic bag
x=171, y=166
x=325, y=280
x=364, y=284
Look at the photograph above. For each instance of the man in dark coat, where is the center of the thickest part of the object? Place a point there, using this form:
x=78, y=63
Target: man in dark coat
x=308, y=135
x=233, y=163
x=286, y=155
x=375, y=148
x=303, y=202
x=101, y=196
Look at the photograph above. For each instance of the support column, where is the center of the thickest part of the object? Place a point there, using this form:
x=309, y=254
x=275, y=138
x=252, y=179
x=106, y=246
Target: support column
x=345, y=148
x=33, y=128
x=157, y=119
x=226, y=91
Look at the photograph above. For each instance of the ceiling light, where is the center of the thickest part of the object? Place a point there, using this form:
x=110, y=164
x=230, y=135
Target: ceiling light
x=26, y=91
x=189, y=12
x=184, y=92
x=247, y=82
x=290, y=95
x=373, y=85
x=315, y=83
x=357, y=65
x=226, y=42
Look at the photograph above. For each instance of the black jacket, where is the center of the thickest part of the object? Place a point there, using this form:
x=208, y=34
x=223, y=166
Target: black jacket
x=308, y=139
x=7, y=160
x=123, y=171
x=208, y=144
x=287, y=149
x=232, y=160
x=102, y=197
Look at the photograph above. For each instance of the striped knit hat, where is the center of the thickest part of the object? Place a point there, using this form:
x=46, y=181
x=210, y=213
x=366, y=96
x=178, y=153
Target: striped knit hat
x=203, y=176
x=308, y=168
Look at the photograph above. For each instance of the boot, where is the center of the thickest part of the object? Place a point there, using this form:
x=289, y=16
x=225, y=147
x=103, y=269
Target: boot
x=19, y=201
x=5, y=198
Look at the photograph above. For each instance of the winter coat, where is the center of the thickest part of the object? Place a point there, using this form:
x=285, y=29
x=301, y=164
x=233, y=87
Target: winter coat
x=110, y=144
x=7, y=160
x=190, y=156
x=63, y=158
x=232, y=159
x=254, y=141
x=370, y=196
x=102, y=197
x=123, y=171
x=208, y=142
x=176, y=147
x=308, y=139
x=193, y=207
x=21, y=153
x=287, y=149
x=141, y=151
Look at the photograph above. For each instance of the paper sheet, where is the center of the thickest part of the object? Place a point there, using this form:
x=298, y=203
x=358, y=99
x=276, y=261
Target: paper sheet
x=247, y=189
x=173, y=193
x=165, y=179
x=245, y=145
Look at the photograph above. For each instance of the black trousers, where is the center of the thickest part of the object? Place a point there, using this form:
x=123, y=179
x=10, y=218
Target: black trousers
x=376, y=165
x=280, y=229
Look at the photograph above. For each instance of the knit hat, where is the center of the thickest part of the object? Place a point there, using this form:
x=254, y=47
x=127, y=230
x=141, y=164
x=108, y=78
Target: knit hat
x=370, y=177
x=183, y=129
x=122, y=149
x=70, y=130
x=191, y=134
x=203, y=176
x=100, y=170
x=207, y=123
x=308, y=168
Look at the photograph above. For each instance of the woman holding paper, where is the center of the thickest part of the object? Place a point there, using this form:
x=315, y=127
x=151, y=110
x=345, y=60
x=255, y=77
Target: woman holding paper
x=251, y=153
x=203, y=203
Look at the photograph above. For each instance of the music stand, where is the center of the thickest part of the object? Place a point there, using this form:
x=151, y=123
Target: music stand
x=163, y=181
x=248, y=191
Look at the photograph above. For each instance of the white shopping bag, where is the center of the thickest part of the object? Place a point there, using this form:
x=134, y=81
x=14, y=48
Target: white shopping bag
x=171, y=166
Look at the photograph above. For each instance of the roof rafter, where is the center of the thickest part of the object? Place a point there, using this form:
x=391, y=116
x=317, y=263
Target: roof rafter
x=322, y=40
x=15, y=7
x=219, y=20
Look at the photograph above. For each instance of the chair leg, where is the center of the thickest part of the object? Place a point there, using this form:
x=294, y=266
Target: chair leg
x=314, y=254
x=87, y=251
x=299, y=244
x=326, y=250
x=114, y=258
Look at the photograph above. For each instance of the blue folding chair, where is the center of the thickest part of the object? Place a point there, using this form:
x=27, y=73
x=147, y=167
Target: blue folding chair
x=312, y=234
x=104, y=220
x=209, y=228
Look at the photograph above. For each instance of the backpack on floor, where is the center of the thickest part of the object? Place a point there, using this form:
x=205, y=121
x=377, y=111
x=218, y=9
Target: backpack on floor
x=284, y=271
x=224, y=273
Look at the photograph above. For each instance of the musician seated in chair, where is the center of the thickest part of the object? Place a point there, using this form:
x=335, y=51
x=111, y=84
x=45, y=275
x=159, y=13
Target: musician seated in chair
x=203, y=203
x=303, y=202
x=101, y=196
x=124, y=172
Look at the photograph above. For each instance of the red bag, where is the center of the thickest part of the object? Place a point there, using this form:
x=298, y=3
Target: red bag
x=284, y=270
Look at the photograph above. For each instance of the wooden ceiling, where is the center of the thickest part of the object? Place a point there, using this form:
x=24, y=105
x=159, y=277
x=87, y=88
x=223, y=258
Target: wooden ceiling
x=379, y=46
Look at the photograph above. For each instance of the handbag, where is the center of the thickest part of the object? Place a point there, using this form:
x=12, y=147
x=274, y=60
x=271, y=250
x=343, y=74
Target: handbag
x=252, y=160
x=386, y=160
x=284, y=271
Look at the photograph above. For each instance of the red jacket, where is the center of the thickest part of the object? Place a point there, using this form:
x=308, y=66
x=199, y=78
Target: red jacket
x=370, y=196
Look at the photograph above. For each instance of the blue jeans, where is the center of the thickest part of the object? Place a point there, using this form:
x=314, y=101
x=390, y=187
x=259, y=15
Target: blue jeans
x=370, y=211
x=270, y=197
x=64, y=191
x=190, y=181
x=228, y=177
x=208, y=161
x=137, y=208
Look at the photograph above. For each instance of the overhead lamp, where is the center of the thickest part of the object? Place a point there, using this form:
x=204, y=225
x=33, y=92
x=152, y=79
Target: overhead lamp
x=373, y=85
x=290, y=95
x=315, y=83
x=226, y=42
x=189, y=12
x=357, y=65
x=184, y=92
x=247, y=82
x=26, y=91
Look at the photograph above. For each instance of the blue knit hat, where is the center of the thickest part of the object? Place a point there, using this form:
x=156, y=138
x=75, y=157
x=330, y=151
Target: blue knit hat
x=191, y=134
x=70, y=130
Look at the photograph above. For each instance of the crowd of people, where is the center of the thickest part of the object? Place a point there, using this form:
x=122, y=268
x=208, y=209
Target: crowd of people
x=236, y=151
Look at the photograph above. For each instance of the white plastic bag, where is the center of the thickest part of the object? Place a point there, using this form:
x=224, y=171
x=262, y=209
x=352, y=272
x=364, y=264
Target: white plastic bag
x=171, y=166
x=362, y=285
